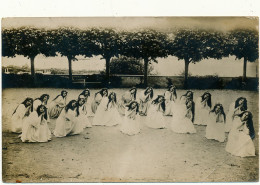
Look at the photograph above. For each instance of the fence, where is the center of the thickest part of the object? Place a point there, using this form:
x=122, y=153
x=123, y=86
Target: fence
x=126, y=81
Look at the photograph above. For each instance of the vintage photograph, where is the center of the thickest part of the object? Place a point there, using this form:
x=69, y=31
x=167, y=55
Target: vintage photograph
x=130, y=99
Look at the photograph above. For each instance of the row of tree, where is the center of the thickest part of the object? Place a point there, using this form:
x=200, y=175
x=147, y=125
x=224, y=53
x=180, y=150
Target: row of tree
x=189, y=45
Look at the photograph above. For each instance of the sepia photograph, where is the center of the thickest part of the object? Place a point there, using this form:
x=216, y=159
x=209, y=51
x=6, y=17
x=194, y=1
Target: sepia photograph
x=130, y=99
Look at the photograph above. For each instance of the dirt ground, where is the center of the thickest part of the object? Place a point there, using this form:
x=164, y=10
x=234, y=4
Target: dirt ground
x=104, y=154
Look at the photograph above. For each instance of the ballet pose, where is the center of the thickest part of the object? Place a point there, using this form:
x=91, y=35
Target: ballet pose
x=241, y=135
x=67, y=123
x=183, y=117
x=107, y=113
x=57, y=105
x=97, y=99
x=236, y=107
x=216, y=124
x=203, y=106
x=170, y=97
x=83, y=113
x=145, y=98
x=131, y=123
x=35, y=127
x=127, y=97
x=155, y=118
x=22, y=111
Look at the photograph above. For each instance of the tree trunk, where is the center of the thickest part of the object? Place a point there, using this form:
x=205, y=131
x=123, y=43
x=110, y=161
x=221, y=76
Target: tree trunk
x=33, y=71
x=107, y=70
x=186, y=73
x=70, y=69
x=145, y=72
x=244, y=70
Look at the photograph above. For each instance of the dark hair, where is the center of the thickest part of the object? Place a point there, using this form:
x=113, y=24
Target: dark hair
x=42, y=97
x=192, y=108
x=209, y=100
x=244, y=104
x=146, y=91
x=221, y=110
x=156, y=101
x=101, y=92
x=249, y=123
x=69, y=105
x=83, y=92
x=60, y=94
x=187, y=94
x=130, y=105
x=45, y=115
x=110, y=98
x=78, y=105
x=24, y=102
x=174, y=90
x=135, y=91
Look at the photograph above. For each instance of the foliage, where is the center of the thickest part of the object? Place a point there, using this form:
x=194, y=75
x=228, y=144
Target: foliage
x=244, y=44
x=128, y=66
x=8, y=44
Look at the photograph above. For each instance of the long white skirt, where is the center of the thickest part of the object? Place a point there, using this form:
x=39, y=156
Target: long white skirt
x=180, y=123
x=155, y=119
x=17, y=124
x=84, y=121
x=240, y=144
x=201, y=116
x=215, y=131
x=130, y=126
x=110, y=117
x=169, y=108
x=229, y=122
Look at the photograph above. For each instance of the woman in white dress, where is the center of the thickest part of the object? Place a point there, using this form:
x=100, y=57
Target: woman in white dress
x=22, y=111
x=83, y=113
x=57, y=105
x=183, y=117
x=241, y=134
x=155, y=118
x=107, y=113
x=127, y=97
x=97, y=99
x=146, y=97
x=236, y=107
x=170, y=97
x=216, y=124
x=42, y=100
x=131, y=122
x=35, y=127
x=67, y=123
x=203, y=106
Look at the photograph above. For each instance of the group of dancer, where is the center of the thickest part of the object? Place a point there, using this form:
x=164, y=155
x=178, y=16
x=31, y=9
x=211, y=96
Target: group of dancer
x=31, y=117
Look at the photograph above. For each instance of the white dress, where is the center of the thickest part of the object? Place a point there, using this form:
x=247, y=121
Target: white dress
x=127, y=97
x=145, y=102
x=35, y=129
x=155, y=118
x=131, y=123
x=56, y=106
x=216, y=127
x=239, y=142
x=169, y=103
x=18, y=117
x=180, y=122
x=107, y=115
x=67, y=124
x=83, y=117
x=95, y=103
x=201, y=112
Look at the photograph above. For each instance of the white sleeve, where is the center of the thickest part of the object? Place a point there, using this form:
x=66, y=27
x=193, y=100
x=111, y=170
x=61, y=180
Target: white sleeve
x=36, y=103
x=21, y=110
x=167, y=95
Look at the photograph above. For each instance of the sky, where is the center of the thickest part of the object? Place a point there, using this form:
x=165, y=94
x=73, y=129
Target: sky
x=169, y=66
